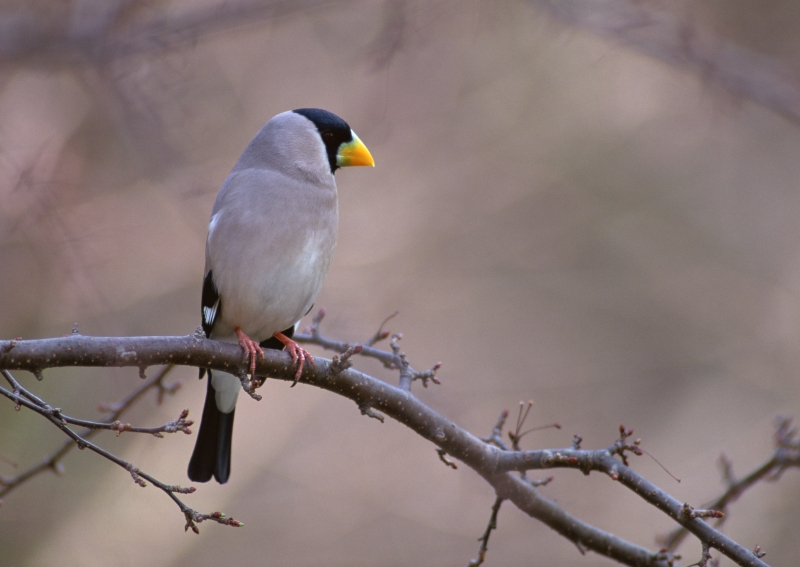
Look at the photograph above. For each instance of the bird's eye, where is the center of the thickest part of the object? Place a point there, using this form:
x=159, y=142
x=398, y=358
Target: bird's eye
x=327, y=135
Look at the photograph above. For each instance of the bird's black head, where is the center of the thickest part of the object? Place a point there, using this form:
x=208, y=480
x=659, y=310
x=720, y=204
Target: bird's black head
x=333, y=130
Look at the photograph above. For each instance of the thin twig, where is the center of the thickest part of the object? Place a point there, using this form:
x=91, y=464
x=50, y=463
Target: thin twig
x=180, y=424
x=496, y=437
x=786, y=455
x=484, y=539
x=394, y=360
x=704, y=559
x=53, y=461
x=192, y=517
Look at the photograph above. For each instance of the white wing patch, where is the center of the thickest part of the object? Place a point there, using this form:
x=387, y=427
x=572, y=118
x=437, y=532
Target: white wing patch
x=213, y=224
x=209, y=313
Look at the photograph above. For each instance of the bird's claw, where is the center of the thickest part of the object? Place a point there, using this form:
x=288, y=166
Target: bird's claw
x=251, y=349
x=299, y=355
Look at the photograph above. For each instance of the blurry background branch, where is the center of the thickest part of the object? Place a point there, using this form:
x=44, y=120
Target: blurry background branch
x=87, y=33
x=485, y=457
x=83, y=33
x=681, y=40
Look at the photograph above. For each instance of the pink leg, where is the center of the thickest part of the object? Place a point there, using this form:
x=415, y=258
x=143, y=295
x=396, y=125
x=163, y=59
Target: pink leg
x=251, y=349
x=299, y=355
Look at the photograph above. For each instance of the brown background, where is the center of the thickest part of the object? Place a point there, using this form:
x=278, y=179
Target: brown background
x=556, y=217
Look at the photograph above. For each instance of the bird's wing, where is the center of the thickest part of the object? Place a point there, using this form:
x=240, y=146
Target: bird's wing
x=210, y=303
x=210, y=308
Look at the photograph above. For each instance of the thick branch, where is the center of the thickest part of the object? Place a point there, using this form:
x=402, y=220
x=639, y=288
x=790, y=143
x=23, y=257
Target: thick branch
x=368, y=392
x=603, y=460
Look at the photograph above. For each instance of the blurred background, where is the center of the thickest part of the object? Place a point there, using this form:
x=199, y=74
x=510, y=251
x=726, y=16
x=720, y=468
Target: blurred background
x=603, y=223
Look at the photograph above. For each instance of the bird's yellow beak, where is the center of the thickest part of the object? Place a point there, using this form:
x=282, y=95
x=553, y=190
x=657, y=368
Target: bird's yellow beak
x=354, y=153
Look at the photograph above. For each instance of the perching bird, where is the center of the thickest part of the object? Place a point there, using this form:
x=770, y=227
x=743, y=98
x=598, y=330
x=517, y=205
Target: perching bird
x=270, y=243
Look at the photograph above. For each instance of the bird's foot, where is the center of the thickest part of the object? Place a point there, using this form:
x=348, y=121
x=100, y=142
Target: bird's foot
x=299, y=355
x=251, y=350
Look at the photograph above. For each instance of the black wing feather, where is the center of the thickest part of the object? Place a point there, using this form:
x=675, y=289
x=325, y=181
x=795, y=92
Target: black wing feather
x=210, y=307
x=210, y=304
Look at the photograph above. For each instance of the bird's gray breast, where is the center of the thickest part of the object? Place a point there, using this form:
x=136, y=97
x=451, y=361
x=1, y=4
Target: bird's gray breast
x=270, y=244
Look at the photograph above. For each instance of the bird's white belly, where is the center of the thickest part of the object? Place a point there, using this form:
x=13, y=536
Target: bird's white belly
x=270, y=292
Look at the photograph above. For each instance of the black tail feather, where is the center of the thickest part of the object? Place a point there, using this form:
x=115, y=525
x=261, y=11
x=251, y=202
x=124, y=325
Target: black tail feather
x=224, y=438
x=212, y=451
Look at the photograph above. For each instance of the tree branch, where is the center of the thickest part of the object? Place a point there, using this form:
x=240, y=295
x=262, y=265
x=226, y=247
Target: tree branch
x=490, y=462
x=786, y=455
x=139, y=477
x=179, y=424
x=484, y=539
x=53, y=461
x=394, y=360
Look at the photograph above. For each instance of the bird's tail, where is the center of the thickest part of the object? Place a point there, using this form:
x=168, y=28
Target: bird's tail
x=212, y=451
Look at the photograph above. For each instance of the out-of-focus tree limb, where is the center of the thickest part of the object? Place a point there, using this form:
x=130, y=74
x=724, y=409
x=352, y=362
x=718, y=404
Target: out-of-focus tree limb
x=110, y=31
x=369, y=393
x=682, y=43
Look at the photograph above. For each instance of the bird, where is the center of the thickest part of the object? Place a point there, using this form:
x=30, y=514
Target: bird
x=269, y=246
